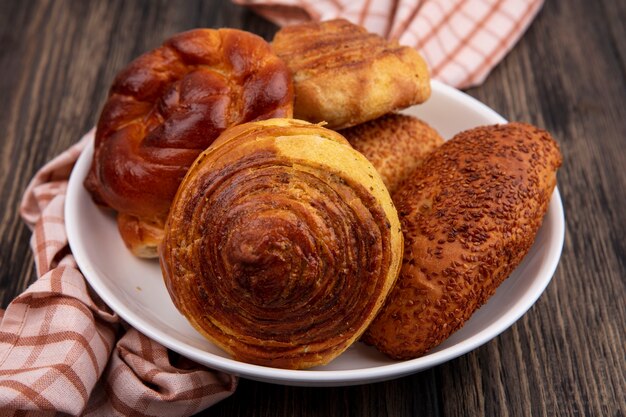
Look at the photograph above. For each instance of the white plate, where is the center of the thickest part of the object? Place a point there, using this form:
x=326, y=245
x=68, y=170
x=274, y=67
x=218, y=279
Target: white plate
x=134, y=288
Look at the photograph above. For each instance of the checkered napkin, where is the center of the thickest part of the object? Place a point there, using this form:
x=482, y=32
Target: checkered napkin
x=462, y=40
x=63, y=350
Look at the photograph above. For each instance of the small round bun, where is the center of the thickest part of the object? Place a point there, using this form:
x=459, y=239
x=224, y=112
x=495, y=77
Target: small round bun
x=395, y=144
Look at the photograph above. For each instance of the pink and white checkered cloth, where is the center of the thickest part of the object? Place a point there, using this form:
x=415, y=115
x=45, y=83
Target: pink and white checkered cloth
x=462, y=40
x=63, y=350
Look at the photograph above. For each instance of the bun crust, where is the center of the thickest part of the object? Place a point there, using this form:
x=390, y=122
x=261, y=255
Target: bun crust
x=281, y=244
x=141, y=237
x=395, y=144
x=169, y=105
x=469, y=214
x=344, y=75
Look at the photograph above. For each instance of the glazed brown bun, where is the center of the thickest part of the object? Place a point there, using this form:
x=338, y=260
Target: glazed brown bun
x=282, y=244
x=395, y=144
x=169, y=105
x=469, y=215
x=344, y=75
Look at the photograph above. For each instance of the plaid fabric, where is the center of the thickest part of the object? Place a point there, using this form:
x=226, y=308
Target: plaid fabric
x=63, y=350
x=462, y=40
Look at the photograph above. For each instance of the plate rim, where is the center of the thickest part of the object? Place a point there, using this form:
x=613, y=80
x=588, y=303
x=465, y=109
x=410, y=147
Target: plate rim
x=310, y=377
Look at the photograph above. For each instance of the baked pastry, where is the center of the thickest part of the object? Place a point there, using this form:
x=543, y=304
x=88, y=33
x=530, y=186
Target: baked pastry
x=281, y=244
x=395, y=144
x=469, y=215
x=169, y=105
x=344, y=75
x=141, y=236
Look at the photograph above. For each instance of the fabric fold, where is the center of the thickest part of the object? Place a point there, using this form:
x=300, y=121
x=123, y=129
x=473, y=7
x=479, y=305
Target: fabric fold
x=462, y=40
x=63, y=350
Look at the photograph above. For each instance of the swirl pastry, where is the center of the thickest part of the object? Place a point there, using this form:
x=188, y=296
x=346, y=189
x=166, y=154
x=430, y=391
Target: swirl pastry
x=281, y=244
x=469, y=215
x=344, y=75
x=168, y=106
x=395, y=144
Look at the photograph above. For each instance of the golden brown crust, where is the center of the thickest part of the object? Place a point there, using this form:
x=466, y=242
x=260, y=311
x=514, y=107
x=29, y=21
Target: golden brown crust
x=142, y=238
x=282, y=244
x=169, y=104
x=344, y=75
x=395, y=144
x=469, y=215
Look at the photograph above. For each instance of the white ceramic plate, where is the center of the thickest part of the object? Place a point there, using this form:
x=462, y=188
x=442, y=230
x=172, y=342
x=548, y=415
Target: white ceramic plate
x=134, y=288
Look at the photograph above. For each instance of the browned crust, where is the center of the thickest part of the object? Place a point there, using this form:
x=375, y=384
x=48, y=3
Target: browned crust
x=344, y=75
x=395, y=144
x=169, y=104
x=276, y=253
x=469, y=215
x=142, y=238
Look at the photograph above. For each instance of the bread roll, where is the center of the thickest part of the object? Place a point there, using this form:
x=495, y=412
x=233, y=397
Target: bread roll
x=395, y=144
x=344, y=75
x=141, y=236
x=469, y=215
x=282, y=244
x=169, y=105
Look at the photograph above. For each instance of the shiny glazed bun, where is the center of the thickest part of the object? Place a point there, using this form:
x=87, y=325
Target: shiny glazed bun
x=169, y=105
x=282, y=244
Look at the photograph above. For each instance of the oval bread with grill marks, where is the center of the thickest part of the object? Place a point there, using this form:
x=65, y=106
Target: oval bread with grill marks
x=344, y=75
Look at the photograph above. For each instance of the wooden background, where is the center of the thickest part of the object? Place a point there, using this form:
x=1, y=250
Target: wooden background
x=565, y=357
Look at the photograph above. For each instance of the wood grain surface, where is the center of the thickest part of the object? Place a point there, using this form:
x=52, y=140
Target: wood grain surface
x=565, y=357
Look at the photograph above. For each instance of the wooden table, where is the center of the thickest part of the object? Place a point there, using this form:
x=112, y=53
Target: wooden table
x=566, y=356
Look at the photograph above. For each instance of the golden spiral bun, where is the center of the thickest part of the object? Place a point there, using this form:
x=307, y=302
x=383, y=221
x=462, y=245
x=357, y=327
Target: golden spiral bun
x=469, y=214
x=169, y=105
x=395, y=144
x=281, y=244
x=344, y=75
